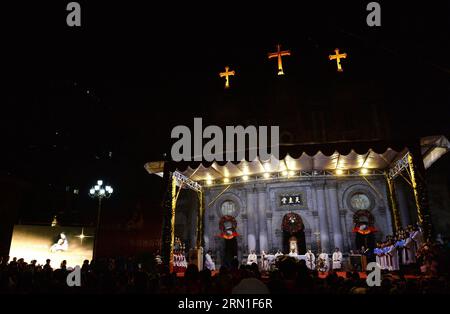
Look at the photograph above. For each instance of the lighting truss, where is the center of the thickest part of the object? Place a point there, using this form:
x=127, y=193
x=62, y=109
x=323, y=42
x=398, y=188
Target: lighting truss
x=296, y=175
x=398, y=167
x=184, y=181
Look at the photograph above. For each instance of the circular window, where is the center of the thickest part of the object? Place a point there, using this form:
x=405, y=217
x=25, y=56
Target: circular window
x=228, y=208
x=360, y=201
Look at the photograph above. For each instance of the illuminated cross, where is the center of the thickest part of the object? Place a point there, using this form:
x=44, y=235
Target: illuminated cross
x=82, y=236
x=338, y=58
x=227, y=74
x=278, y=55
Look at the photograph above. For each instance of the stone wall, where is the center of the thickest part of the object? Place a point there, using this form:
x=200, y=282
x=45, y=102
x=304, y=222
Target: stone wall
x=325, y=208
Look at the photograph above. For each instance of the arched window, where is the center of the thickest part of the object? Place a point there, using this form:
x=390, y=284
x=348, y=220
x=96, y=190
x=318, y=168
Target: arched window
x=360, y=201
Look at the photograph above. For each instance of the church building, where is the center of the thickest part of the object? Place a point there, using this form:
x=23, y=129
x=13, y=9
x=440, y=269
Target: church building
x=314, y=198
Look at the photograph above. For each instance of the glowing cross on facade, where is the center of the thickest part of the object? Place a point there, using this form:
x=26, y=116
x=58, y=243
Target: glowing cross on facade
x=227, y=74
x=278, y=55
x=338, y=58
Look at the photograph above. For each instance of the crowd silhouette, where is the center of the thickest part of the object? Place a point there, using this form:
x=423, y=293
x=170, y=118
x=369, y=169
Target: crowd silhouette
x=134, y=276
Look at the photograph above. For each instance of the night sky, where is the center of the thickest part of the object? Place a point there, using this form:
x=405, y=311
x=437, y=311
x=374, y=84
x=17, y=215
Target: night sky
x=101, y=100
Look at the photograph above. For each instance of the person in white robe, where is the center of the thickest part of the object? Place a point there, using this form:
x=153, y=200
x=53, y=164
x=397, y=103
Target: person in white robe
x=175, y=262
x=337, y=259
x=416, y=236
x=183, y=261
x=310, y=260
x=252, y=258
x=377, y=252
x=409, y=252
x=270, y=261
x=293, y=245
x=323, y=263
x=278, y=253
x=264, y=261
x=382, y=256
x=392, y=254
x=209, y=263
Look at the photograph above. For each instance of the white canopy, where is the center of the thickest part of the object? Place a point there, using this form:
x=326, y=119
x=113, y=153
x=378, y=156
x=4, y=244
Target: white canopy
x=432, y=149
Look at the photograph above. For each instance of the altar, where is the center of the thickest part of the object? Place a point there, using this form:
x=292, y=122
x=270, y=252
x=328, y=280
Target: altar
x=268, y=262
x=297, y=257
x=271, y=258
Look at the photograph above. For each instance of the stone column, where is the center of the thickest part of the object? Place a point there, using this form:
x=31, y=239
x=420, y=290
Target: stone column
x=314, y=245
x=251, y=220
x=315, y=218
x=345, y=231
x=262, y=219
x=244, y=243
x=323, y=219
x=243, y=231
x=335, y=215
x=207, y=232
x=270, y=229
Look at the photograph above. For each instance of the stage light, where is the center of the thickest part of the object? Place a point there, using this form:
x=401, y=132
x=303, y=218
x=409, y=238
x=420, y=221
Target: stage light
x=209, y=182
x=339, y=172
x=364, y=171
x=226, y=180
x=266, y=175
x=245, y=178
x=291, y=173
x=284, y=173
x=267, y=167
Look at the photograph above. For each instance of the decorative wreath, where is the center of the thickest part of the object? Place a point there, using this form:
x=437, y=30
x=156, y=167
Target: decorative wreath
x=292, y=223
x=230, y=232
x=364, y=222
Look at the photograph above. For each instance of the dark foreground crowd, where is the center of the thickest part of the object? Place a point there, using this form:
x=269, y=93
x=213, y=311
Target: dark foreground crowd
x=128, y=276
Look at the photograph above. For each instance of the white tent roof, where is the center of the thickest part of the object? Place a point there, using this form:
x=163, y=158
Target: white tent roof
x=432, y=149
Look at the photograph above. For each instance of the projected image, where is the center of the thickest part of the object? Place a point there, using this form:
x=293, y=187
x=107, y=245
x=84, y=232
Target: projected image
x=61, y=245
x=73, y=244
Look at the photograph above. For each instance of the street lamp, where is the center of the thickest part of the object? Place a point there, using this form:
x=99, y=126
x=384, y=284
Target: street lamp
x=100, y=192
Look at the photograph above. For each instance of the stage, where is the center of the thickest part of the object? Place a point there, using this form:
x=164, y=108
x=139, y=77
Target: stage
x=323, y=275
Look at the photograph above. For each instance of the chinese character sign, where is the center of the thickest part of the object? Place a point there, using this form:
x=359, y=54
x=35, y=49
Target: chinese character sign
x=291, y=199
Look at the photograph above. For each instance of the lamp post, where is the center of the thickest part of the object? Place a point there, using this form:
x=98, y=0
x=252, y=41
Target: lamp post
x=100, y=192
